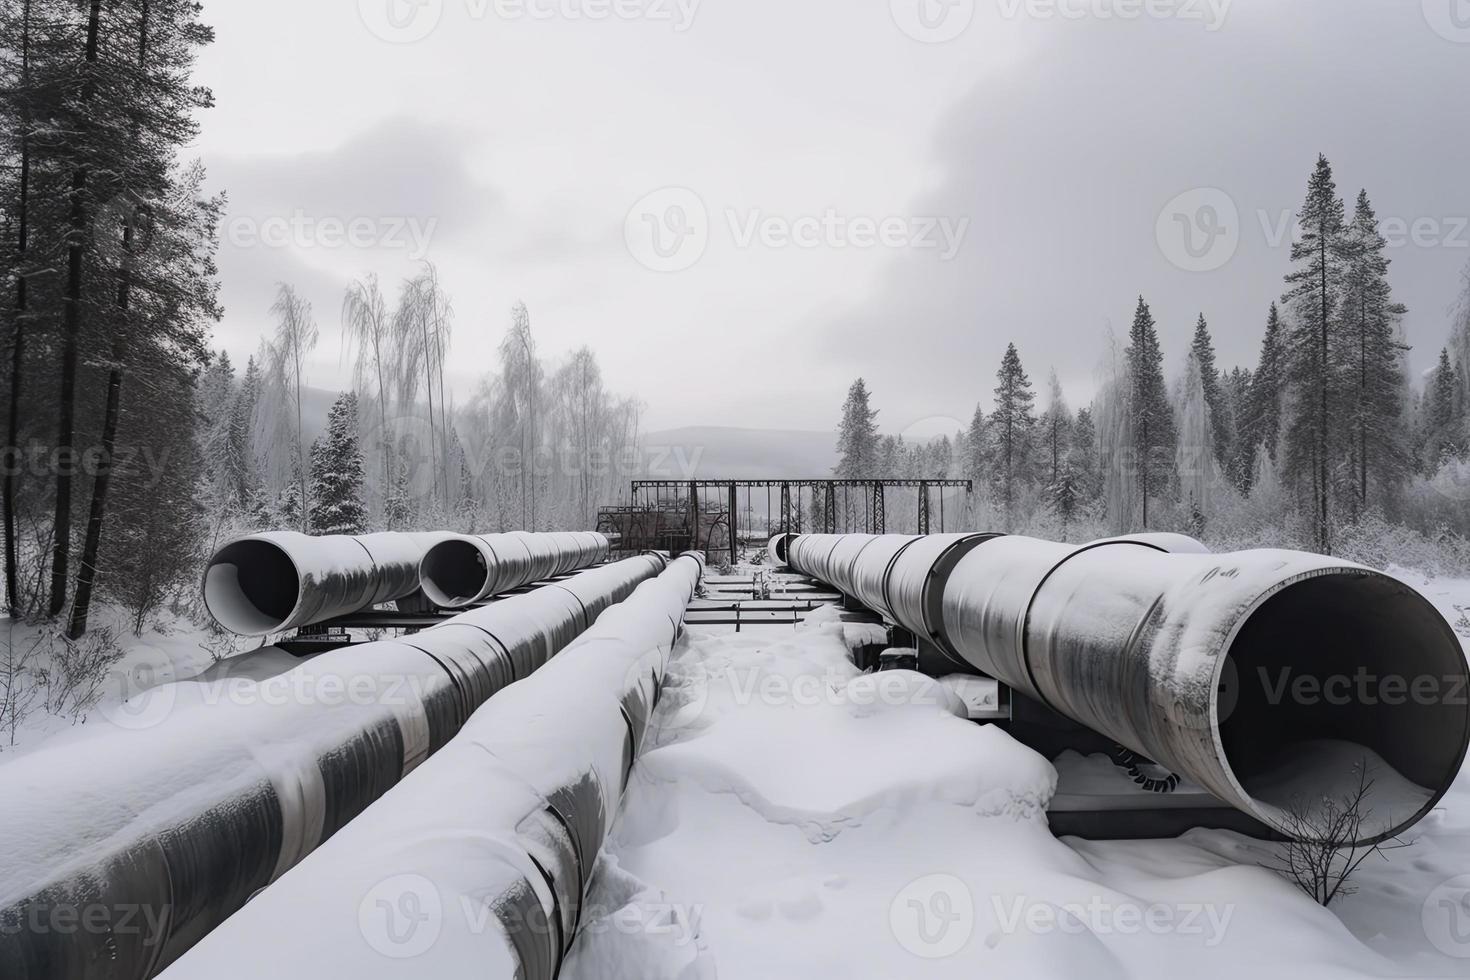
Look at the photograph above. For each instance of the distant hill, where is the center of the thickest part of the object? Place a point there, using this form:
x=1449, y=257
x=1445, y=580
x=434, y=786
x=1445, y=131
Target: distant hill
x=714, y=452
x=693, y=453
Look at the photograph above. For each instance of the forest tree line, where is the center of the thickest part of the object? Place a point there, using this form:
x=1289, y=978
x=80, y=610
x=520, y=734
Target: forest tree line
x=131, y=447
x=108, y=239
x=1324, y=436
x=542, y=444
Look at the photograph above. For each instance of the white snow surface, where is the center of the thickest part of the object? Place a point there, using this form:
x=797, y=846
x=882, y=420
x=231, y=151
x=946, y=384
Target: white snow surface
x=774, y=828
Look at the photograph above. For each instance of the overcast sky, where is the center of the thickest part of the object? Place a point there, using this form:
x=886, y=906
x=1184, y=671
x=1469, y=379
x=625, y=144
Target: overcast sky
x=744, y=204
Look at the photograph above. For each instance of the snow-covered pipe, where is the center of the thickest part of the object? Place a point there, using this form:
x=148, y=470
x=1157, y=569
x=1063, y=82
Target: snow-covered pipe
x=166, y=826
x=899, y=576
x=1268, y=677
x=463, y=570
x=776, y=549
x=477, y=865
x=282, y=580
x=1271, y=678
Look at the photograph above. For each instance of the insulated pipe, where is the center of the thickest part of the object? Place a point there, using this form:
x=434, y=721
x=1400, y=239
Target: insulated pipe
x=478, y=864
x=1274, y=679
x=777, y=548
x=913, y=583
x=464, y=570
x=201, y=798
x=899, y=576
x=282, y=580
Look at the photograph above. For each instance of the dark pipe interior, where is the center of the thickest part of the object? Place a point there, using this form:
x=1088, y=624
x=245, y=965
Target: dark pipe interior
x=1330, y=667
x=251, y=587
x=453, y=573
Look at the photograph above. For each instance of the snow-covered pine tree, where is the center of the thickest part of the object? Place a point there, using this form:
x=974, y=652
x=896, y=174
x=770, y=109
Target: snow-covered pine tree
x=1374, y=379
x=858, y=452
x=242, y=434
x=1262, y=422
x=1221, y=435
x=1065, y=494
x=1314, y=429
x=398, y=505
x=890, y=451
x=1010, y=430
x=941, y=451
x=1056, y=429
x=337, y=472
x=296, y=337
x=1152, y=417
x=1237, y=388
x=1195, y=457
x=977, y=444
x=216, y=400
x=1442, y=431
x=1084, y=456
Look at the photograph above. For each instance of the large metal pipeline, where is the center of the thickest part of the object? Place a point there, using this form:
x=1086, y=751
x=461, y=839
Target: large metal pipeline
x=164, y=825
x=466, y=569
x=478, y=864
x=1276, y=680
x=282, y=580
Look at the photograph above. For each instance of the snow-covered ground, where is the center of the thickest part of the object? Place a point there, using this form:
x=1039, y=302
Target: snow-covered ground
x=782, y=824
x=171, y=649
x=790, y=820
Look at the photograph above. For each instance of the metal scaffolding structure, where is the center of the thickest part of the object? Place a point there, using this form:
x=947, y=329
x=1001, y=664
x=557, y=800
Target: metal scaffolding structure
x=831, y=506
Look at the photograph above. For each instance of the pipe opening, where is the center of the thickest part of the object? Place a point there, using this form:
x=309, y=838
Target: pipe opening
x=251, y=587
x=453, y=574
x=1338, y=677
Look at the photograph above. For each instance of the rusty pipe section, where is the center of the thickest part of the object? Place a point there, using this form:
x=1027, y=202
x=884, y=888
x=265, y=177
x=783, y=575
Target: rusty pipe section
x=464, y=570
x=281, y=580
x=193, y=796
x=491, y=844
x=1277, y=680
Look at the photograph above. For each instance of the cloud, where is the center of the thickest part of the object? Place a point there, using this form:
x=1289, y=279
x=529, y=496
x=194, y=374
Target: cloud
x=1064, y=164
